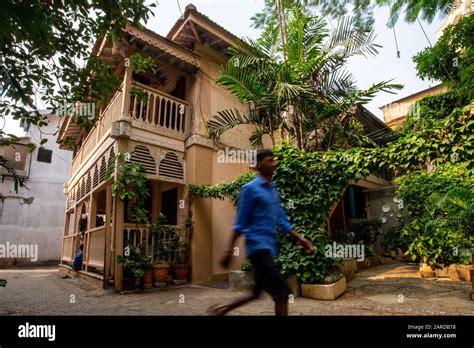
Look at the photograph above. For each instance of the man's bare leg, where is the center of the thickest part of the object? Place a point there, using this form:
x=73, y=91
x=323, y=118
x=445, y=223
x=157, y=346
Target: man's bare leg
x=281, y=308
x=222, y=309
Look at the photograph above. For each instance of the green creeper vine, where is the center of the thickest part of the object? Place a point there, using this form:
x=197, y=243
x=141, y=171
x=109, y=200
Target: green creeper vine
x=130, y=186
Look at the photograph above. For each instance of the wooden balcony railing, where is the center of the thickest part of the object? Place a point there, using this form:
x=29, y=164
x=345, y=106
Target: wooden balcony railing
x=67, y=248
x=164, y=112
x=110, y=114
x=94, y=247
x=159, y=109
x=142, y=237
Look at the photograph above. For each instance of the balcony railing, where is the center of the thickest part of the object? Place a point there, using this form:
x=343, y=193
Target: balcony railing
x=102, y=127
x=94, y=240
x=159, y=109
x=162, y=111
x=142, y=237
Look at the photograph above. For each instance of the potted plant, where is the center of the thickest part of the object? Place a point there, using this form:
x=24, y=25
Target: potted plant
x=242, y=279
x=366, y=232
x=320, y=276
x=147, y=266
x=161, y=254
x=133, y=268
x=181, y=267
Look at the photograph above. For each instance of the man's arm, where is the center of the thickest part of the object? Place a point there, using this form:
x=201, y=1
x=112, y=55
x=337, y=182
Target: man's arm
x=306, y=244
x=287, y=227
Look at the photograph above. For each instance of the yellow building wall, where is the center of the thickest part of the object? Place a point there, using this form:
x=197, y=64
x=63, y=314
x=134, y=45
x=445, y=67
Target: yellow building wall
x=213, y=218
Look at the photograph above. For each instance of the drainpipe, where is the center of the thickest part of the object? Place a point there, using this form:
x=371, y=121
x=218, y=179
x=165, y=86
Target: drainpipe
x=352, y=202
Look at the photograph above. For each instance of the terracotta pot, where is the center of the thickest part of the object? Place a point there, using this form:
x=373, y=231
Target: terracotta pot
x=180, y=271
x=160, y=273
x=148, y=279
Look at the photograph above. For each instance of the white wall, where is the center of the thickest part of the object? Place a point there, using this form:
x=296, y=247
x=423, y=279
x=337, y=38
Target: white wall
x=40, y=222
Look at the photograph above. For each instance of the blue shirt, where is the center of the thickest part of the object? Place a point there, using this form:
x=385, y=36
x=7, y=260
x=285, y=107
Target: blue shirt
x=259, y=213
x=77, y=265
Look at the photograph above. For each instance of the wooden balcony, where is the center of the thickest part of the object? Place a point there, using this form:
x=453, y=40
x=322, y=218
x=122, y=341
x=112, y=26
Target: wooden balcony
x=100, y=131
x=160, y=114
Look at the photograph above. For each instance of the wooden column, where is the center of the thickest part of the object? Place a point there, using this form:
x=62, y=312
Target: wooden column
x=107, y=236
x=127, y=84
x=156, y=199
x=118, y=222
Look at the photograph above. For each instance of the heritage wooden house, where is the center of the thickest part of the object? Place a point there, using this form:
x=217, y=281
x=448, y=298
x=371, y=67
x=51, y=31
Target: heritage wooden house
x=167, y=135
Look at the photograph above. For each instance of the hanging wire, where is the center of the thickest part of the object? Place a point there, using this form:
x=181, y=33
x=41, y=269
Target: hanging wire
x=439, y=59
x=394, y=32
x=423, y=29
x=179, y=7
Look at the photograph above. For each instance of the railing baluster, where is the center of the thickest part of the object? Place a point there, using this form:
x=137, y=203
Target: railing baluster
x=146, y=117
x=175, y=116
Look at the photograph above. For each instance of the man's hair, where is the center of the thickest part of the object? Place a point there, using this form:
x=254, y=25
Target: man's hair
x=81, y=247
x=264, y=153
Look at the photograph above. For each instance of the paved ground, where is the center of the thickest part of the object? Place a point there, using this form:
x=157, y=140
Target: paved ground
x=394, y=289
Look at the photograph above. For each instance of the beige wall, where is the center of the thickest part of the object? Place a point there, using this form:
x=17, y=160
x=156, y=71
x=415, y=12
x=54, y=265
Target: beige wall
x=394, y=114
x=213, y=219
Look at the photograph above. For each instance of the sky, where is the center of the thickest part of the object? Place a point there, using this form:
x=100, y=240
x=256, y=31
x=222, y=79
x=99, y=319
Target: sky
x=234, y=15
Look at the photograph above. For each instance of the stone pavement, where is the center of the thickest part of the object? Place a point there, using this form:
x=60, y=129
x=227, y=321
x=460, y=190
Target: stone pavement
x=394, y=289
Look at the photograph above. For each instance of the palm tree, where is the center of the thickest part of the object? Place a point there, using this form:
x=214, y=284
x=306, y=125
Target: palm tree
x=302, y=92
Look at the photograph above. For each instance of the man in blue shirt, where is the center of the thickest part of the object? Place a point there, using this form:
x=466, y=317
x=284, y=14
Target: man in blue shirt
x=259, y=215
x=77, y=263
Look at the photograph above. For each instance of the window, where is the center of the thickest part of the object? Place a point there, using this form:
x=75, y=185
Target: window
x=44, y=155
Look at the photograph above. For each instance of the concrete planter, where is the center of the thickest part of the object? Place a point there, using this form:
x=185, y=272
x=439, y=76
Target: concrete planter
x=426, y=271
x=373, y=261
x=324, y=292
x=460, y=272
x=349, y=269
x=442, y=271
x=294, y=285
x=386, y=261
x=240, y=280
x=361, y=265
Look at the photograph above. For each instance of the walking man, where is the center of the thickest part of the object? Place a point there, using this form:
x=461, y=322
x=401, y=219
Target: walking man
x=259, y=214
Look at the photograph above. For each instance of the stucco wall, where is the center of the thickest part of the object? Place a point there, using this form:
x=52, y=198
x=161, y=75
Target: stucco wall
x=213, y=219
x=385, y=198
x=41, y=222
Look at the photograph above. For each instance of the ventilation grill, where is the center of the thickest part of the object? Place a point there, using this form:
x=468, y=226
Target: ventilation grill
x=111, y=156
x=96, y=176
x=88, y=183
x=83, y=187
x=77, y=193
x=141, y=155
x=171, y=167
x=103, y=167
